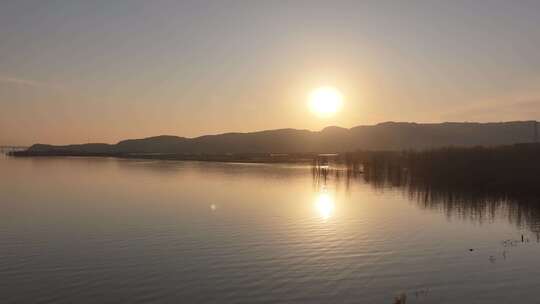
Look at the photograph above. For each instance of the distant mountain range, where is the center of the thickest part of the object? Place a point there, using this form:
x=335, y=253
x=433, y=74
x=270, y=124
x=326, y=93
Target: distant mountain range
x=383, y=136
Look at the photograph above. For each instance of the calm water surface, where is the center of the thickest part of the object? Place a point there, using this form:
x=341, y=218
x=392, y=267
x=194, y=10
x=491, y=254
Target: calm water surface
x=84, y=230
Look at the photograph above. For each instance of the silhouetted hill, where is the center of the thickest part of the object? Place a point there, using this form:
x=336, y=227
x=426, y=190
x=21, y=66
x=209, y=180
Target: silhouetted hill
x=384, y=136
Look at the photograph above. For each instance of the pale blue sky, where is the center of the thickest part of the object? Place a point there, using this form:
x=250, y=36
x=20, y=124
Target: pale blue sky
x=76, y=71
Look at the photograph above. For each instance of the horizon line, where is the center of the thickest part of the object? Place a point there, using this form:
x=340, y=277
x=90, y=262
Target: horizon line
x=278, y=129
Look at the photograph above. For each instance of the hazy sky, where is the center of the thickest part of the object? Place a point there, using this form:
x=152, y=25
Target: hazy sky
x=76, y=70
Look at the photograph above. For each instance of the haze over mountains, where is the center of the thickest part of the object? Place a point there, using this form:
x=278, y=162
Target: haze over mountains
x=383, y=136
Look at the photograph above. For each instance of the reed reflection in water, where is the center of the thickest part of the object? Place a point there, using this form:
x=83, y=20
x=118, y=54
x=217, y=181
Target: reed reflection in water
x=456, y=200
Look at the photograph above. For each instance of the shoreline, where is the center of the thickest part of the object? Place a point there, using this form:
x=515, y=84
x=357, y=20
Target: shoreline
x=241, y=158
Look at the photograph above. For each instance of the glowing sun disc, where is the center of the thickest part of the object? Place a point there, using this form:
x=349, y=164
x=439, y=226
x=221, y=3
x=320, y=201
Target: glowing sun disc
x=325, y=101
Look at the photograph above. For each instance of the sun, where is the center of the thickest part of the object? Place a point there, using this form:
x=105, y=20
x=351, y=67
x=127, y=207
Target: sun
x=325, y=101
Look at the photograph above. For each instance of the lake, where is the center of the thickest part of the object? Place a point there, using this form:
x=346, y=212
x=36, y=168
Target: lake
x=104, y=230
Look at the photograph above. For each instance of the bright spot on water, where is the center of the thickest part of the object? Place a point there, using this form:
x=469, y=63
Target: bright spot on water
x=325, y=205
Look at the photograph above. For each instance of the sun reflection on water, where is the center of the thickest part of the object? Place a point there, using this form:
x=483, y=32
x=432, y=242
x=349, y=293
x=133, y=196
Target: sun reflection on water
x=325, y=205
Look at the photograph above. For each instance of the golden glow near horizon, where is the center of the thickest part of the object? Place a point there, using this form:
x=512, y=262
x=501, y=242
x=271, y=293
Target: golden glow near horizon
x=325, y=101
x=324, y=205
